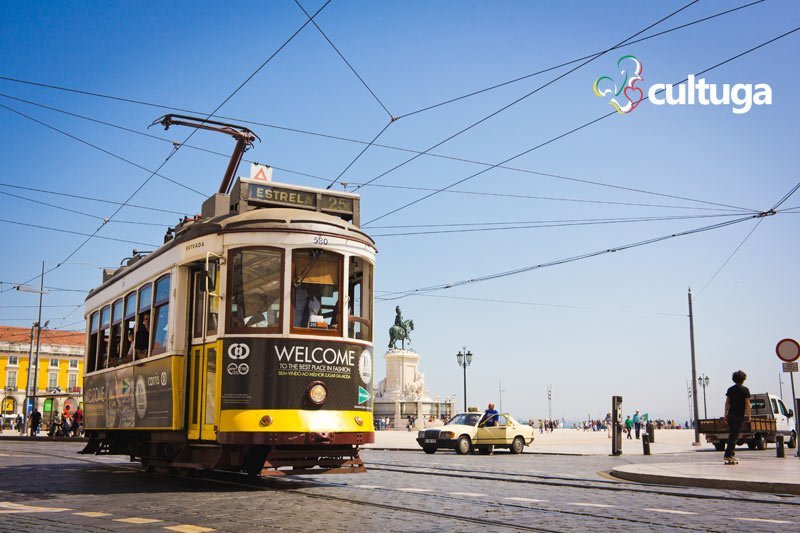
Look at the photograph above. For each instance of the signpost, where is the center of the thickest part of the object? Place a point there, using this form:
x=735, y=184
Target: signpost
x=788, y=351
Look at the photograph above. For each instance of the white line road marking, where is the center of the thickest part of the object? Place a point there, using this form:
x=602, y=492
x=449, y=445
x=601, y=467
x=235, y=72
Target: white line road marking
x=10, y=507
x=415, y=490
x=472, y=494
x=590, y=504
x=529, y=500
x=186, y=528
x=670, y=511
x=92, y=514
x=368, y=486
x=564, y=475
x=137, y=520
x=763, y=520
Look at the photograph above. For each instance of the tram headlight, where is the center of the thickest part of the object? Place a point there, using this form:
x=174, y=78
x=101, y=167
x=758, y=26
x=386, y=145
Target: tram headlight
x=317, y=393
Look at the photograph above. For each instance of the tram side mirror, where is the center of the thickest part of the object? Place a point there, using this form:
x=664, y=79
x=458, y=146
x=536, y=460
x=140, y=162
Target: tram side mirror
x=212, y=267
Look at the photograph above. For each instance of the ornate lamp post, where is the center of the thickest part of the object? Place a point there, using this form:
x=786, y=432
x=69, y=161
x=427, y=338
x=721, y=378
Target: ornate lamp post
x=464, y=359
x=703, y=381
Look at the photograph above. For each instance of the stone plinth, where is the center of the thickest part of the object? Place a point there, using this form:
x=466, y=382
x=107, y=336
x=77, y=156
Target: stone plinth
x=403, y=380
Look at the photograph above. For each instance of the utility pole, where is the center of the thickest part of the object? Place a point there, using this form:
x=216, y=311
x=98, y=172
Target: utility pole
x=501, y=396
x=695, y=407
x=780, y=385
x=550, y=402
x=38, y=335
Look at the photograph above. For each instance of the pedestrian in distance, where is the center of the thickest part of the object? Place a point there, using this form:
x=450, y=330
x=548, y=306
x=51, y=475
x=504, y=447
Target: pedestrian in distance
x=637, y=423
x=35, y=420
x=628, y=426
x=737, y=411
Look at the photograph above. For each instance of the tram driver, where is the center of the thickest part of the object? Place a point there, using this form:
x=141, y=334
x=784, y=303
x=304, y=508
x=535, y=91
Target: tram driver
x=142, y=340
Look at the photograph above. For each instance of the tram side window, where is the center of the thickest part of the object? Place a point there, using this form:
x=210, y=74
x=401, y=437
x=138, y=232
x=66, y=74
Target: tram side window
x=316, y=276
x=128, y=324
x=161, y=313
x=94, y=328
x=115, y=347
x=360, y=302
x=255, y=300
x=105, y=336
x=141, y=342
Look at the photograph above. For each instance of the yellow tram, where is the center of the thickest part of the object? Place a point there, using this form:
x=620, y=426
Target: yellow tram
x=242, y=343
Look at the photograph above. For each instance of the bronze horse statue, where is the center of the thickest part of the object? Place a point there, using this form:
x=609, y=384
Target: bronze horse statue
x=400, y=333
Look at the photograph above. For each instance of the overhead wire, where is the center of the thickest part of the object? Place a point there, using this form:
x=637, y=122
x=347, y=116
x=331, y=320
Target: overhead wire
x=431, y=154
x=752, y=230
x=570, y=62
x=71, y=232
x=443, y=286
x=525, y=96
x=573, y=130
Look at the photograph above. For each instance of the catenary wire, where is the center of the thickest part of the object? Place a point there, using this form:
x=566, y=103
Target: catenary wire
x=97, y=217
x=752, y=230
x=92, y=199
x=444, y=286
x=573, y=130
x=525, y=96
x=61, y=230
x=46, y=287
x=352, y=69
x=549, y=305
x=329, y=181
x=595, y=54
x=553, y=225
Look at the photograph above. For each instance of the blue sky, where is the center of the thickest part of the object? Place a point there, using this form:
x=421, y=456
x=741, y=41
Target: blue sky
x=612, y=324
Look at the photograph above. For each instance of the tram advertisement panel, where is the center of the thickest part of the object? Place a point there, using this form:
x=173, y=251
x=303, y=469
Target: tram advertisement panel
x=276, y=373
x=130, y=397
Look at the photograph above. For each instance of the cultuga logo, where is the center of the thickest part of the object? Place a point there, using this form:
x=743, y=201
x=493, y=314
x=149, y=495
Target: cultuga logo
x=626, y=96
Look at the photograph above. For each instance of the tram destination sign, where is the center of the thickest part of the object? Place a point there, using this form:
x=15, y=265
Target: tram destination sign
x=276, y=195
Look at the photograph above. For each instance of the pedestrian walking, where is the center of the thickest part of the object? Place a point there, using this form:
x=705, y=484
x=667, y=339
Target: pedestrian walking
x=637, y=423
x=737, y=411
x=35, y=420
x=628, y=426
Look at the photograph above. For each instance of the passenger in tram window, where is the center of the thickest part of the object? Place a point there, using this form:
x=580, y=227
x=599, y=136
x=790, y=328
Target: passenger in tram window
x=300, y=305
x=311, y=313
x=142, y=340
x=259, y=319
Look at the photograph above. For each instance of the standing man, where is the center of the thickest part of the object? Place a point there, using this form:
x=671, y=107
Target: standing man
x=737, y=410
x=490, y=416
x=637, y=423
x=36, y=420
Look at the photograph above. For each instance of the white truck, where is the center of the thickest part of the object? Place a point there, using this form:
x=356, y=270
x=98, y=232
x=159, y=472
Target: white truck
x=769, y=418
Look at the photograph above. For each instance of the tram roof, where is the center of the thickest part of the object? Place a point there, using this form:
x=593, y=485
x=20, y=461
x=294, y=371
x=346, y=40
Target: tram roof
x=275, y=218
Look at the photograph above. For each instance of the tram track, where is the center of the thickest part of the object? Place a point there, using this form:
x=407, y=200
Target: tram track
x=285, y=484
x=558, y=481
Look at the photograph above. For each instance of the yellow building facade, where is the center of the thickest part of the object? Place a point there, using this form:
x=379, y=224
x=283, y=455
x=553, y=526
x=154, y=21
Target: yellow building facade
x=59, y=380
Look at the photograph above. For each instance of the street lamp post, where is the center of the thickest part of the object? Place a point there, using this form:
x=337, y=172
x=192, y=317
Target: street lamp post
x=703, y=381
x=38, y=326
x=464, y=359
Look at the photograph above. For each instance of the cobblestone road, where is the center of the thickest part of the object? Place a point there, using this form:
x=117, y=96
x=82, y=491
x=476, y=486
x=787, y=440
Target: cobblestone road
x=46, y=486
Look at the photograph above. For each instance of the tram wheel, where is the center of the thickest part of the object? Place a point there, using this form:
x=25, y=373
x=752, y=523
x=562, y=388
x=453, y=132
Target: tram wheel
x=517, y=445
x=463, y=445
x=429, y=449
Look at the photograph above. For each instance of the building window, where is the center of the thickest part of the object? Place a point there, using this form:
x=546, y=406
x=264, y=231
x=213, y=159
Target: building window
x=73, y=363
x=72, y=381
x=53, y=363
x=52, y=380
x=13, y=360
x=11, y=379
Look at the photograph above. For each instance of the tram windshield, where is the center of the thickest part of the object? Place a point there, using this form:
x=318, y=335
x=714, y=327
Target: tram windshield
x=255, y=289
x=316, y=280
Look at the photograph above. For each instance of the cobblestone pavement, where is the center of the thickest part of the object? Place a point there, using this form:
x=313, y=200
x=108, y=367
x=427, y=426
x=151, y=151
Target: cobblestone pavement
x=47, y=486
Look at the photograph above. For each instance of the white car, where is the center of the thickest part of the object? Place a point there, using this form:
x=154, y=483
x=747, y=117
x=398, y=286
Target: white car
x=467, y=432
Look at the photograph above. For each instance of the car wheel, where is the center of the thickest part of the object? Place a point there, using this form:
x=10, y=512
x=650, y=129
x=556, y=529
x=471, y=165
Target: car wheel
x=463, y=445
x=485, y=450
x=517, y=445
x=429, y=449
x=792, y=441
x=719, y=446
x=760, y=442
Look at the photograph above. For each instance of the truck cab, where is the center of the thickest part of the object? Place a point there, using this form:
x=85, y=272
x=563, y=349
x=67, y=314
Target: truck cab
x=771, y=406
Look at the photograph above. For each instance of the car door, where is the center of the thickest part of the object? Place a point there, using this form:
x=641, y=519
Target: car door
x=496, y=434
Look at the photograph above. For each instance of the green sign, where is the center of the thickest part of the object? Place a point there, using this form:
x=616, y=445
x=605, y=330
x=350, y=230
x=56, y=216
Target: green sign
x=363, y=395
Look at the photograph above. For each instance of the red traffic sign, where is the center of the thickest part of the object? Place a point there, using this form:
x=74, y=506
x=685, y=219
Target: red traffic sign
x=788, y=350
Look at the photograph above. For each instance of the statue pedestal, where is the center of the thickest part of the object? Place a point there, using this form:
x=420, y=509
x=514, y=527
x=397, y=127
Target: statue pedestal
x=403, y=380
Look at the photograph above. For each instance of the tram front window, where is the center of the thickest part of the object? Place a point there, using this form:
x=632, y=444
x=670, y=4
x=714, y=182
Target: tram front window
x=360, y=302
x=255, y=301
x=316, y=278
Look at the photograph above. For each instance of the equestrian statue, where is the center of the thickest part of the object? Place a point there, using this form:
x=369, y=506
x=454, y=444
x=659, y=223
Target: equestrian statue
x=400, y=331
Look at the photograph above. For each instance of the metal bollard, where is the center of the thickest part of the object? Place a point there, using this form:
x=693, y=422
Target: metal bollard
x=779, y=446
x=651, y=431
x=646, y=444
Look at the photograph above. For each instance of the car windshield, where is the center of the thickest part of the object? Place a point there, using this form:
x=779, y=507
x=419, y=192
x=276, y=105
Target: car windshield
x=467, y=419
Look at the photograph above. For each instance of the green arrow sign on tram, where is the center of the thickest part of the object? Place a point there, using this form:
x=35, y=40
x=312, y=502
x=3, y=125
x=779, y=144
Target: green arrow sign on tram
x=125, y=386
x=363, y=395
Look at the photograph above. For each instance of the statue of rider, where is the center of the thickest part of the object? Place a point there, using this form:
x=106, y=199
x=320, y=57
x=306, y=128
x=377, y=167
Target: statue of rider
x=398, y=319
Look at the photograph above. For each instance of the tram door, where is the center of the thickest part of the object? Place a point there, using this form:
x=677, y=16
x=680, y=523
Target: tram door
x=203, y=353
